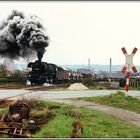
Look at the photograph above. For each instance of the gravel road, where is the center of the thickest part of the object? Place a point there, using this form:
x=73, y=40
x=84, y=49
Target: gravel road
x=60, y=94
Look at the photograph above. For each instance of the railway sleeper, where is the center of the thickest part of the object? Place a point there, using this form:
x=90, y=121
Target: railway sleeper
x=15, y=132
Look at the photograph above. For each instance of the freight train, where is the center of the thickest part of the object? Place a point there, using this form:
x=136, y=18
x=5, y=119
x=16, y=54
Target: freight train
x=42, y=72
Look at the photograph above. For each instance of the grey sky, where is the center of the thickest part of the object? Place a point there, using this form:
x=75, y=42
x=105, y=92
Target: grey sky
x=82, y=30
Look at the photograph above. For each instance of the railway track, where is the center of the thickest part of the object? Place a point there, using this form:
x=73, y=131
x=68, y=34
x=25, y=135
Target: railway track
x=42, y=88
x=15, y=132
x=15, y=120
x=29, y=87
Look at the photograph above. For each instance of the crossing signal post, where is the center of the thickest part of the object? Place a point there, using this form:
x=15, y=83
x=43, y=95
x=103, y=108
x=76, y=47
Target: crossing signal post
x=128, y=65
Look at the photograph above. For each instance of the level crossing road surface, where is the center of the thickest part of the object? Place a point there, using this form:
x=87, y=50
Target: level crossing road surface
x=22, y=93
x=4, y=94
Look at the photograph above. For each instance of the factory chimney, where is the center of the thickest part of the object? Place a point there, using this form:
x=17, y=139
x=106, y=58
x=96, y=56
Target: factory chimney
x=89, y=65
x=110, y=70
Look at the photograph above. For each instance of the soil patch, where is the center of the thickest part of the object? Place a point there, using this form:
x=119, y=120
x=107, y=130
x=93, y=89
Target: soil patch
x=13, y=85
x=6, y=103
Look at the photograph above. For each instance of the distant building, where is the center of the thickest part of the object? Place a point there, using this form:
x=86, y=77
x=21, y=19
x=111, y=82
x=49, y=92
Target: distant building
x=85, y=71
x=116, y=75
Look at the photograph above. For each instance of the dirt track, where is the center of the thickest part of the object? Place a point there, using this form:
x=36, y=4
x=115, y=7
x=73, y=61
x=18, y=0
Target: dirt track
x=125, y=115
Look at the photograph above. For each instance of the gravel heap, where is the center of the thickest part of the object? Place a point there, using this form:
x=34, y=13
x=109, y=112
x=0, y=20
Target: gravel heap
x=77, y=86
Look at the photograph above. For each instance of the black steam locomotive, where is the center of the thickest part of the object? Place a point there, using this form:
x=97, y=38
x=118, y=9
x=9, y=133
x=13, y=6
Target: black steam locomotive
x=42, y=72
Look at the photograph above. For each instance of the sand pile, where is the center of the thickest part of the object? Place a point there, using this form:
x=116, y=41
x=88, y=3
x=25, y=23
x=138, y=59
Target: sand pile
x=77, y=86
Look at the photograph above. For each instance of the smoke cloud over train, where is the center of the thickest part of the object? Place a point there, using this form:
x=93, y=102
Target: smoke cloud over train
x=22, y=36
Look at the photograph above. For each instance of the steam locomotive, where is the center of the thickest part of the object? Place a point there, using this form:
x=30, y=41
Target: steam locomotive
x=42, y=72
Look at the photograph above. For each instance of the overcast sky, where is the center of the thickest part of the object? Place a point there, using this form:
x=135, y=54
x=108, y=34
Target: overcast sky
x=82, y=30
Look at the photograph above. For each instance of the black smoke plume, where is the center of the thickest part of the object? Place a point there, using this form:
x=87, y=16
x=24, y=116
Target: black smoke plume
x=22, y=36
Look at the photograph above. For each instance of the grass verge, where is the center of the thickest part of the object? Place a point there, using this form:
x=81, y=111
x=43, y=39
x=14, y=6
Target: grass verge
x=95, y=124
x=116, y=100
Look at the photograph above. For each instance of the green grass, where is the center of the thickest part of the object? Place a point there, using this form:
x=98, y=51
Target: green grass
x=100, y=125
x=59, y=127
x=134, y=88
x=116, y=100
x=10, y=79
x=96, y=124
x=3, y=111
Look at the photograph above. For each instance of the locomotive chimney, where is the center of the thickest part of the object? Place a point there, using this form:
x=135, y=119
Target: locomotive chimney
x=39, y=55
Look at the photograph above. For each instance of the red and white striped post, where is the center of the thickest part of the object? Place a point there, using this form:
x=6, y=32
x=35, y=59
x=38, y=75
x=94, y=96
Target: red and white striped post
x=128, y=65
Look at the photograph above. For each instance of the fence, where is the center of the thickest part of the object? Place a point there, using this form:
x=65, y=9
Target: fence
x=134, y=83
